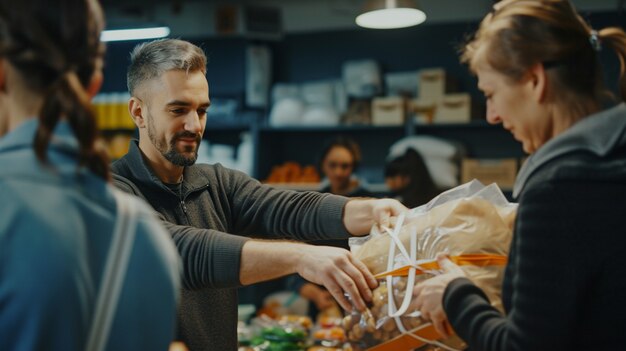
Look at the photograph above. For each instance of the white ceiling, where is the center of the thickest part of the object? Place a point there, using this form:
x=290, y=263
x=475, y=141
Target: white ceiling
x=194, y=18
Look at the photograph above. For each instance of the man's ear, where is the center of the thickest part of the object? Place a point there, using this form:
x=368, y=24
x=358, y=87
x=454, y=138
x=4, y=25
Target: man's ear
x=135, y=108
x=538, y=82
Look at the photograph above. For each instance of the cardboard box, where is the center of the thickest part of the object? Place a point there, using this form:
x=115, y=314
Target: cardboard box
x=388, y=111
x=454, y=108
x=499, y=171
x=423, y=111
x=432, y=84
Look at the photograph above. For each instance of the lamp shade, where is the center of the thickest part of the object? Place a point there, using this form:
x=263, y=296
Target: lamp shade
x=134, y=34
x=388, y=14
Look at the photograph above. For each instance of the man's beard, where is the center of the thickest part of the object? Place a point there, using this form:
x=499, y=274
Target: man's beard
x=169, y=151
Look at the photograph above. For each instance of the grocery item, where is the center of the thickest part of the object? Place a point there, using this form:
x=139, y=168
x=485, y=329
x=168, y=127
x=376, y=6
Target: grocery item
x=293, y=172
x=471, y=223
x=286, y=334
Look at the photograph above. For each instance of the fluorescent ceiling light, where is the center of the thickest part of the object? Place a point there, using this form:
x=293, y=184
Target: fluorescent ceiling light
x=388, y=14
x=134, y=34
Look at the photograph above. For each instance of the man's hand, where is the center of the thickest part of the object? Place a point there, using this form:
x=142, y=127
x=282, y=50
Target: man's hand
x=178, y=346
x=430, y=292
x=361, y=214
x=334, y=268
x=338, y=271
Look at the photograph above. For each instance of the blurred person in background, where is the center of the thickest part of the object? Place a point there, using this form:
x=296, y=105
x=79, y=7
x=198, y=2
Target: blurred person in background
x=59, y=211
x=537, y=64
x=409, y=180
x=338, y=163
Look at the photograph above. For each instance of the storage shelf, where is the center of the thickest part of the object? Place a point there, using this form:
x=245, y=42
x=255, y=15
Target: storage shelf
x=303, y=144
x=296, y=186
x=217, y=125
x=375, y=187
x=115, y=131
x=479, y=138
x=331, y=129
x=477, y=124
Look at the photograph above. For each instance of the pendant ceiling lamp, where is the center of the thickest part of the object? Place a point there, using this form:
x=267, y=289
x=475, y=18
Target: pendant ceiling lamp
x=388, y=14
x=134, y=34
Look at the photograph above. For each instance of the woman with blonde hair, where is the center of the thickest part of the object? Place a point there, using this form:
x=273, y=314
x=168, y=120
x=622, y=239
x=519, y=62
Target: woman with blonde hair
x=537, y=63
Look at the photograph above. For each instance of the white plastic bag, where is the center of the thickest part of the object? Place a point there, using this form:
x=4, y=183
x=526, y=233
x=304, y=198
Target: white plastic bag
x=472, y=223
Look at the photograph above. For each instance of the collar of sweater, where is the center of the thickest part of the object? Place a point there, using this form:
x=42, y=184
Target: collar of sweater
x=598, y=133
x=193, y=177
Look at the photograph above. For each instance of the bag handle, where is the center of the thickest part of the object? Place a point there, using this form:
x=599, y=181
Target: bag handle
x=394, y=312
x=114, y=273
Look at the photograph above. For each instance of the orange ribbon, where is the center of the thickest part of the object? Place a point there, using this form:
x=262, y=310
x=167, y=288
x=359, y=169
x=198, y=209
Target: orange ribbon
x=408, y=342
x=480, y=260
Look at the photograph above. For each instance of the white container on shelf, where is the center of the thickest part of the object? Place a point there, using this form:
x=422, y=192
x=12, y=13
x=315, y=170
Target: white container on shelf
x=245, y=154
x=362, y=78
x=223, y=154
x=402, y=83
x=287, y=112
x=317, y=115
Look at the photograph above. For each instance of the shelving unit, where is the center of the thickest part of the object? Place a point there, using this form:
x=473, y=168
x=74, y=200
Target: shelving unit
x=376, y=188
x=303, y=144
x=480, y=139
x=228, y=133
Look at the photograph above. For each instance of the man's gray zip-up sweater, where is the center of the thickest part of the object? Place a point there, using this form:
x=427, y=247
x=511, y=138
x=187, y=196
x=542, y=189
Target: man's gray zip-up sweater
x=210, y=223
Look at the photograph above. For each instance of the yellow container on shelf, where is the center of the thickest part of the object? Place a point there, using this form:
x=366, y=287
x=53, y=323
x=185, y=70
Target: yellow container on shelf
x=98, y=109
x=118, y=145
x=105, y=111
x=111, y=111
x=120, y=111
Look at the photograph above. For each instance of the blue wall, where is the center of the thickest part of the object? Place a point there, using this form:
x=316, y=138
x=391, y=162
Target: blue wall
x=225, y=69
x=316, y=56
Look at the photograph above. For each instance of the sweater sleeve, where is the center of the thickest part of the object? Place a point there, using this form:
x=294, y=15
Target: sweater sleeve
x=547, y=284
x=301, y=215
x=210, y=258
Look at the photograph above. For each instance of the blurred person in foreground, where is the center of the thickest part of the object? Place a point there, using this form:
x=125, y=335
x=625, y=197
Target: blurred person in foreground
x=59, y=211
x=537, y=63
x=212, y=211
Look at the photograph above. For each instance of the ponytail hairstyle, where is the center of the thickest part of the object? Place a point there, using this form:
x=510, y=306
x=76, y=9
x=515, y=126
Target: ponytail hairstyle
x=518, y=34
x=55, y=48
x=615, y=38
